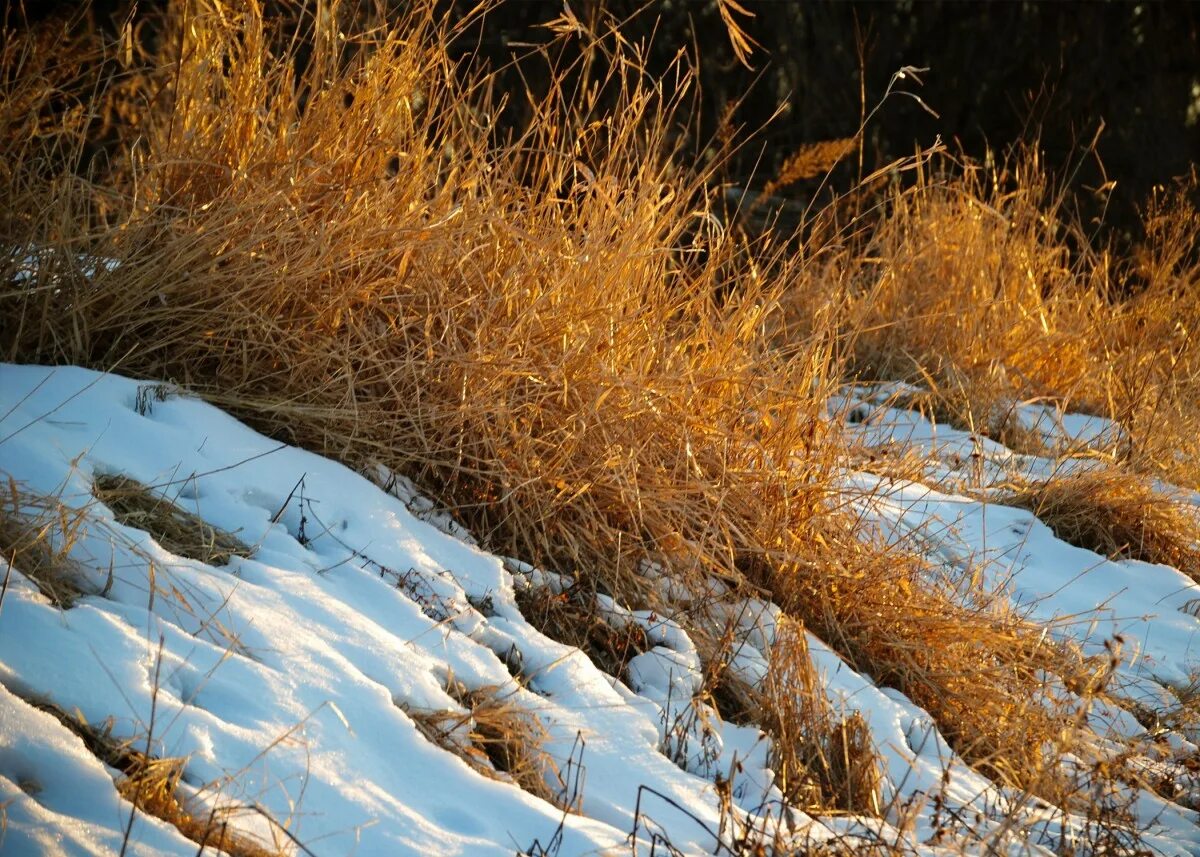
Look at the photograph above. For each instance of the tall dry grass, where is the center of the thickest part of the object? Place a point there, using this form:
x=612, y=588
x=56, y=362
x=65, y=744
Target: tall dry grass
x=328, y=236
x=350, y=256
x=980, y=284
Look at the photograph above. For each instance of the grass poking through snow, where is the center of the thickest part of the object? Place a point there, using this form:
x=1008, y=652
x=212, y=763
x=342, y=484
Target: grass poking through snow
x=176, y=529
x=152, y=786
x=36, y=536
x=497, y=738
x=1116, y=514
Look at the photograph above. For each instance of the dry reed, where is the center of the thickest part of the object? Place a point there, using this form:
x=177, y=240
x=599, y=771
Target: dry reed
x=176, y=529
x=342, y=252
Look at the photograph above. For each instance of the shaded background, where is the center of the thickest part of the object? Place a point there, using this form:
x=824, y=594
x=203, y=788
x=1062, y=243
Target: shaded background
x=999, y=73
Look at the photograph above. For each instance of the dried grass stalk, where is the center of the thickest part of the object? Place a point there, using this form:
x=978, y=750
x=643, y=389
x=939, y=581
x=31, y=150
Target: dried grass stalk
x=152, y=785
x=176, y=529
x=810, y=161
x=1115, y=514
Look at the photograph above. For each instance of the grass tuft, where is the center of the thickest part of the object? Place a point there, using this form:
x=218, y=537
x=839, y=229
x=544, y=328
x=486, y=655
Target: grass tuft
x=571, y=617
x=36, y=536
x=498, y=739
x=1116, y=514
x=152, y=786
x=176, y=529
x=820, y=760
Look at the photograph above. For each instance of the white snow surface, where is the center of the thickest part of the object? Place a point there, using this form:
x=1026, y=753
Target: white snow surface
x=286, y=680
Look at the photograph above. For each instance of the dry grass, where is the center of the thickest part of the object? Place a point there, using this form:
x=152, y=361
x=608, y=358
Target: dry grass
x=69, y=549
x=974, y=407
x=499, y=739
x=346, y=254
x=178, y=530
x=152, y=786
x=969, y=661
x=36, y=536
x=980, y=285
x=1115, y=514
x=808, y=162
x=571, y=617
x=823, y=763
x=820, y=760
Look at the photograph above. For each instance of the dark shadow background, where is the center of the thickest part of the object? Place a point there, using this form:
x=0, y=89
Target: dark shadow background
x=1000, y=73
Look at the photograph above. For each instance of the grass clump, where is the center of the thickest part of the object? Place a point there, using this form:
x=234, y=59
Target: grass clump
x=820, y=760
x=176, y=529
x=497, y=738
x=980, y=285
x=896, y=617
x=571, y=617
x=36, y=536
x=1116, y=514
x=152, y=786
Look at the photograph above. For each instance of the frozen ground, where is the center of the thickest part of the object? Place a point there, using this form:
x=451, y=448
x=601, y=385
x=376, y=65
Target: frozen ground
x=289, y=680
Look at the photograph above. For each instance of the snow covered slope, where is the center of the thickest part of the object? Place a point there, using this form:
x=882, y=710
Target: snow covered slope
x=295, y=680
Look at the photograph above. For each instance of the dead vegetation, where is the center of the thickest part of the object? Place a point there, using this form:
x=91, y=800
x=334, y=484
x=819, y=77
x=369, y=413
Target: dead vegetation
x=69, y=549
x=499, y=739
x=822, y=760
x=571, y=617
x=176, y=529
x=1116, y=514
x=343, y=253
x=981, y=285
x=36, y=536
x=980, y=410
x=152, y=786
x=891, y=616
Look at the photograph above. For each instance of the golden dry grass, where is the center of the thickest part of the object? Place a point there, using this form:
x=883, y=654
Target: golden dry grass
x=1116, y=514
x=889, y=614
x=347, y=254
x=979, y=285
x=152, y=785
x=499, y=739
x=821, y=760
x=176, y=529
x=810, y=161
x=36, y=536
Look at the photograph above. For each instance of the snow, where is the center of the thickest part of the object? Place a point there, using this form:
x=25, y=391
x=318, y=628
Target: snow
x=286, y=679
x=58, y=798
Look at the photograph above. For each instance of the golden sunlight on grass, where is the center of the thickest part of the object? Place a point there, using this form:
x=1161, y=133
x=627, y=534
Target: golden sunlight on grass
x=347, y=254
